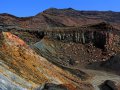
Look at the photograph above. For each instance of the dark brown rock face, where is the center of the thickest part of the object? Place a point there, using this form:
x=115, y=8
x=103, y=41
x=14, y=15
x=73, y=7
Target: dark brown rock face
x=98, y=38
x=101, y=35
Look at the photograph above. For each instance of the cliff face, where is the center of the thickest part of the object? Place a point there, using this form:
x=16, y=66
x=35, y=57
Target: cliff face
x=101, y=35
x=97, y=38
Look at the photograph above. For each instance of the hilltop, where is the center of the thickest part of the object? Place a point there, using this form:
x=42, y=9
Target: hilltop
x=53, y=17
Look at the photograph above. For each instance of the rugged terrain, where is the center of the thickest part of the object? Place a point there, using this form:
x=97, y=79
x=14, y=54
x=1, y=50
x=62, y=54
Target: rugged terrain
x=62, y=17
x=61, y=49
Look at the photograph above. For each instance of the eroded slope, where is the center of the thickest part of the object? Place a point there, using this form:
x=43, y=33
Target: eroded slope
x=20, y=59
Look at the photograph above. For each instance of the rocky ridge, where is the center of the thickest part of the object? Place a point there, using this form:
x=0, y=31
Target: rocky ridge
x=62, y=17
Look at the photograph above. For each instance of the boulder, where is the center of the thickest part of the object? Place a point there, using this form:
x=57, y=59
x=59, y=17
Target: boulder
x=110, y=85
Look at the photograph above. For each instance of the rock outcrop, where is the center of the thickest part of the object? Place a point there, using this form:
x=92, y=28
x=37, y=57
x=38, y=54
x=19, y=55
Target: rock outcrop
x=109, y=85
x=101, y=35
x=71, y=46
x=18, y=58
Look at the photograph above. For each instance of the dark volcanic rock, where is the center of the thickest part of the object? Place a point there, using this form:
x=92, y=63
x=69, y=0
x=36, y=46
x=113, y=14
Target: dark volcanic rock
x=109, y=85
x=101, y=35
